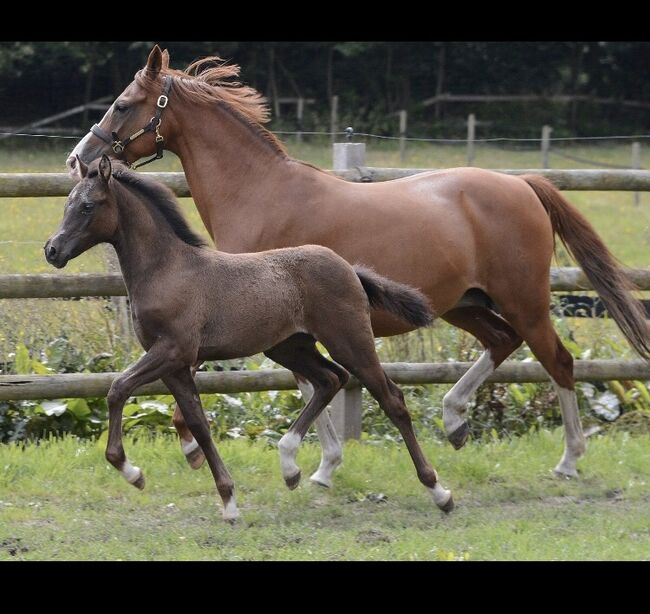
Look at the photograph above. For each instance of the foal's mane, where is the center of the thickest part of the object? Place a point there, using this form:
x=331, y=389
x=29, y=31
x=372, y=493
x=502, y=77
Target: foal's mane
x=211, y=80
x=163, y=199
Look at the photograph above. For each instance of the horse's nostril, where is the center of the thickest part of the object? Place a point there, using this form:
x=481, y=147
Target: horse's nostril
x=71, y=162
x=50, y=251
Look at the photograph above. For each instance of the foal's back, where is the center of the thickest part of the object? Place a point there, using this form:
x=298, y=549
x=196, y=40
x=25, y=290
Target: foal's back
x=251, y=302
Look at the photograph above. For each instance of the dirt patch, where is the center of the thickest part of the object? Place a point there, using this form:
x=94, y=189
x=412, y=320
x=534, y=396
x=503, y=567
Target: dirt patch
x=13, y=546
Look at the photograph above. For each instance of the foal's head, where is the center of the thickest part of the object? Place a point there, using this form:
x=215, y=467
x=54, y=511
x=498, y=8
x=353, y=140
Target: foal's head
x=90, y=215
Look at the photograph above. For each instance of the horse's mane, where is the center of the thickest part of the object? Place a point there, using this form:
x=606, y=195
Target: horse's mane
x=162, y=198
x=211, y=80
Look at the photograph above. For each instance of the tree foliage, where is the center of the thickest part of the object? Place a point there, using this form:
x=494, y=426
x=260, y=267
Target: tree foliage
x=372, y=79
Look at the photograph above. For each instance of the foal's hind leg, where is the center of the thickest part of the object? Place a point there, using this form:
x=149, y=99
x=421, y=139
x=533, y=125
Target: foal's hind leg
x=499, y=340
x=299, y=354
x=356, y=352
x=182, y=386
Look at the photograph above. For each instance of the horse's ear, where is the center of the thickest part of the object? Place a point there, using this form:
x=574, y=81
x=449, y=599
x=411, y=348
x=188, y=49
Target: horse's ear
x=105, y=168
x=83, y=169
x=165, y=59
x=154, y=61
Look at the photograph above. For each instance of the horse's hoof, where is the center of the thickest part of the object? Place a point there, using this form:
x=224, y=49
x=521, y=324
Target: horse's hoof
x=195, y=458
x=319, y=480
x=139, y=482
x=293, y=481
x=567, y=474
x=449, y=506
x=459, y=436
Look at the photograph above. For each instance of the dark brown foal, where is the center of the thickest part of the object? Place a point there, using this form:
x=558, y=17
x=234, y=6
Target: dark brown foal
x=192, y=303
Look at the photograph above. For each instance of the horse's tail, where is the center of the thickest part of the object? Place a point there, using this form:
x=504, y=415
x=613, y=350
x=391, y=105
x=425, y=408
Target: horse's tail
x=598, y=263
x=401, y=300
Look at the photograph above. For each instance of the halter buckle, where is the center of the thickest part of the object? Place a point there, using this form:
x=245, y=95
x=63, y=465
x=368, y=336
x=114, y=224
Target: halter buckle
x=162, y=101
x=118, y=148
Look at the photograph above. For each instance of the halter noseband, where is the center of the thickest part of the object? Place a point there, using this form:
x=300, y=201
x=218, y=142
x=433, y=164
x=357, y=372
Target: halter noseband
x=119, y=146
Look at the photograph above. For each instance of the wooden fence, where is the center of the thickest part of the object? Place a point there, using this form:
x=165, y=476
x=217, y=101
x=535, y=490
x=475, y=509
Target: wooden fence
x=346, y=414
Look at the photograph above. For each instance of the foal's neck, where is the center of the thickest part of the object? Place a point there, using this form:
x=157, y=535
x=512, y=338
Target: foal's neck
x=144, y=241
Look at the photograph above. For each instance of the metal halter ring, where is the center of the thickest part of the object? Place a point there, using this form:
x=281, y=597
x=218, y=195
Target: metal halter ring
x=118, y=148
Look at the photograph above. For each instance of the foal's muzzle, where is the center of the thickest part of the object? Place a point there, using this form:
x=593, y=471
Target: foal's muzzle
x=54, y=255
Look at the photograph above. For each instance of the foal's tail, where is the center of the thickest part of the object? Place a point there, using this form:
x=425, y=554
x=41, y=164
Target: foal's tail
x=600, y=266
x=401, y=300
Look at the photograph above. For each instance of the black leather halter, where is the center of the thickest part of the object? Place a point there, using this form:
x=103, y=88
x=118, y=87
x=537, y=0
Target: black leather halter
x=119, y=146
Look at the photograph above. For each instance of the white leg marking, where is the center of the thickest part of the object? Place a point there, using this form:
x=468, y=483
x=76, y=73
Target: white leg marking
x=454, y=402
x=288, y=446
x=189, y=446
x=230, y=511
x=332, y=454
x=575, y=444
x=440, y=495
x=130, y=473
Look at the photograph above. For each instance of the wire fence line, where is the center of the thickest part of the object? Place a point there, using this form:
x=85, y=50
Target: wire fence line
x=500, y=139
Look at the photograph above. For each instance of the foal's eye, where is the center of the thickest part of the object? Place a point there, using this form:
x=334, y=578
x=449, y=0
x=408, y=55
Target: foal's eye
x=86, y=208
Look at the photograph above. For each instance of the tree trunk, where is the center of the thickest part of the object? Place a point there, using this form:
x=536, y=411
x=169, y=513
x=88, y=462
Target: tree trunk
x=329, y=75
x=576, y=69
x=440, y=77
x=389, y=76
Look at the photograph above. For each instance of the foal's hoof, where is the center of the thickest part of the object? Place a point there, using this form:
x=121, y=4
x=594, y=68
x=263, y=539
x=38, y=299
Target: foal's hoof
x=459, y=436
x=139, y=481
x=293, y=481
x=195, y=458
x=449, y=506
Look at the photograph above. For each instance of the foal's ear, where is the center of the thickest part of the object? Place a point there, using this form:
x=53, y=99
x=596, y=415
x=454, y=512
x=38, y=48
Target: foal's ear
x=83, y=168
x=104, y=168
x=165, y=59
x=154, y=61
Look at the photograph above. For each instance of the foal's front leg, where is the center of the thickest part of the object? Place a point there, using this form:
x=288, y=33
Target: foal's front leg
x=158, y=361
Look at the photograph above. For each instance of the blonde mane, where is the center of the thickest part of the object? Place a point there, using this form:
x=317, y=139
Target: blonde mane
x=211, y=80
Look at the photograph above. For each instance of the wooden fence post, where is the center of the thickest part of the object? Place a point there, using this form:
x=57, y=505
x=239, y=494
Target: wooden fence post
x=546, y=145
x=334, y=119
x=300, y=107
x=471, y=134
x=346, y=405
x=636, y=164
x=402, y=135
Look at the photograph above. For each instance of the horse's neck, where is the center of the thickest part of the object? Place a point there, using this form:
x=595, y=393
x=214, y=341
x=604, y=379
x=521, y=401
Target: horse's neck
x=239, y=182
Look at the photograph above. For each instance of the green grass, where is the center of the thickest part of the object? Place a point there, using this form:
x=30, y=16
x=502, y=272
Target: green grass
x=61, y=501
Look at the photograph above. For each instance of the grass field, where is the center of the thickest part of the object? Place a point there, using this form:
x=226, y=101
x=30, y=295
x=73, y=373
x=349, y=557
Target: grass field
x=62, y=501
x=27, y=222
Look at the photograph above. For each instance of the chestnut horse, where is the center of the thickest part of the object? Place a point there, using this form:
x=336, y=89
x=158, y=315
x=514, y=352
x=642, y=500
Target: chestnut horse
x=474, y=241
x=279, y=302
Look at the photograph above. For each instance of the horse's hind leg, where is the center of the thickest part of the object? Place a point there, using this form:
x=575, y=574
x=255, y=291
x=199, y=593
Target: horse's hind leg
x=499, y=340
x=332, y=452
x=299, y=354
x=543, y=341
x=182, y=386
x=356, y=352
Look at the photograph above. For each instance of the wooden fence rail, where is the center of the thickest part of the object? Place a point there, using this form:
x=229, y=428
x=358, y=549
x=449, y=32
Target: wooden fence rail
x=14, y=185
x=112, y=284
x=85, y=385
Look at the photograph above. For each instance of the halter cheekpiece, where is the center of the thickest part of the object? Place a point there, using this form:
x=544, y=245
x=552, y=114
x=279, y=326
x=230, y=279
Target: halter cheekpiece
x=119, y=146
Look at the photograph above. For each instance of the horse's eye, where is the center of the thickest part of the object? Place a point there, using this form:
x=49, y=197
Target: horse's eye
x=87, y=208
x=121, y=108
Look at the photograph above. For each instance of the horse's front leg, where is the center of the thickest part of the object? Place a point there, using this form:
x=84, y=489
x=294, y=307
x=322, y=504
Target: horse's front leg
x=160, y=360
x=191, y=448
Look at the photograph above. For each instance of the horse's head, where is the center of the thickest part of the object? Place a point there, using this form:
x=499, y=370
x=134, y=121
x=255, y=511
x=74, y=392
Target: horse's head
x=90, y=215
x=137, y=123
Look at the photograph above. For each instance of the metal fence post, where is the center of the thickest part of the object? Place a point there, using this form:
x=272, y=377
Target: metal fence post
x=636, y=164
x=402, y=135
